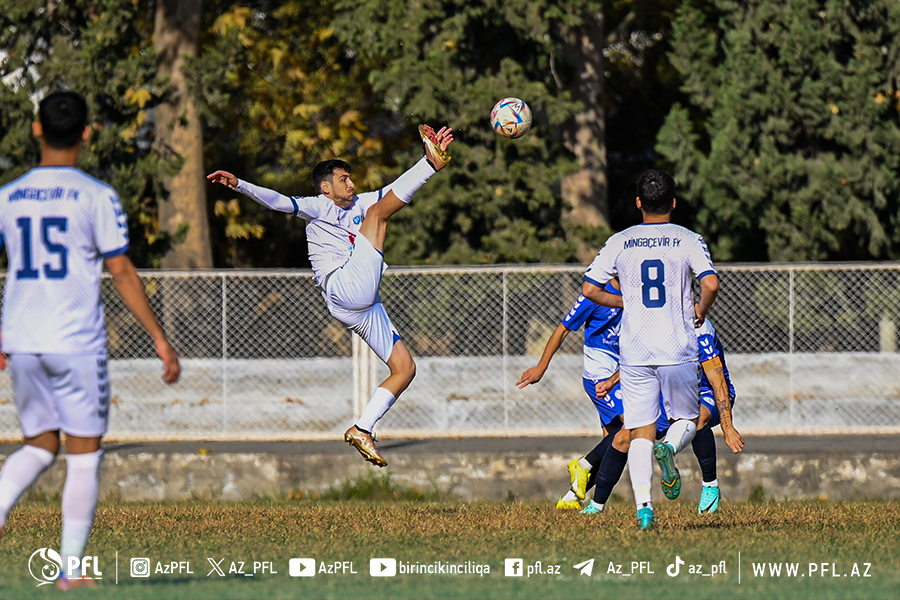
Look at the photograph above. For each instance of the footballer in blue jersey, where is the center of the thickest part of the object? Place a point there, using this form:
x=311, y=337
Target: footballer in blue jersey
x=601, y=362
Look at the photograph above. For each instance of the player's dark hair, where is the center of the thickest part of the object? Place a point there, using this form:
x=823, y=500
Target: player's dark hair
x=656, y=189
x=324, y=171
x=63, y=117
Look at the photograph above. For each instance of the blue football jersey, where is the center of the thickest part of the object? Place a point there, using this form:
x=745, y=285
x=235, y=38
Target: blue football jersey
x=601, y=335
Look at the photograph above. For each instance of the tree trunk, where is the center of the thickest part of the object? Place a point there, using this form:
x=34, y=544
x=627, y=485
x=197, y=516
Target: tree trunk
x=586, y=191
x=176, y=35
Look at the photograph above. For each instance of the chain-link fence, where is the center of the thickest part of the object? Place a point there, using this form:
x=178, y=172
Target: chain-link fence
x=808, y=346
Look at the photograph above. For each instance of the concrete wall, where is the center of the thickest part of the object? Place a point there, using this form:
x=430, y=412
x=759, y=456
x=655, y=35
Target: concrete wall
x=533, y=469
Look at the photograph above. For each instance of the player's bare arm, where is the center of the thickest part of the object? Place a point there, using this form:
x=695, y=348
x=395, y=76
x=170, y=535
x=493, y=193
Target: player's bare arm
x=130, y=288
x=600, y=296
x=715, y=372
x=709, y=289
x=534, y=374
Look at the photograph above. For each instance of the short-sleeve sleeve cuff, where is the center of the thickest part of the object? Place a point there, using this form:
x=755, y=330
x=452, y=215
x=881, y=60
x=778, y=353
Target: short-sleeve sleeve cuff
x=593, y=282
x=116, y=252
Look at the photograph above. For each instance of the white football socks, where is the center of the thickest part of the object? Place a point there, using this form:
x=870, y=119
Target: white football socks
x=19, y=473
x=570, y=495
x=409, y=183
x=584, y=464
x=379, y=403
x=714, y=483
x=640, y=466
x=79, y=503
x=680, y=434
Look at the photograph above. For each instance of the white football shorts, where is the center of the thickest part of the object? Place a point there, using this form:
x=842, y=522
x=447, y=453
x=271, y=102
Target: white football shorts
x=68, y=392
x=641, y=386
x=351, y=292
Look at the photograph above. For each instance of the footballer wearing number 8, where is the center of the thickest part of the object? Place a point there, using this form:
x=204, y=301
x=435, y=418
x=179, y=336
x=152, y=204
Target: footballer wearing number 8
x=654, y=262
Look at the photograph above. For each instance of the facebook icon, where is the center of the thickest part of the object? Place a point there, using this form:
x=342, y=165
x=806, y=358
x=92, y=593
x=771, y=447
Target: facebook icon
x=513, y=567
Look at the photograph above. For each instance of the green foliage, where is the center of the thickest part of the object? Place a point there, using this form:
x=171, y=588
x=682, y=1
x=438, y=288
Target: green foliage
x=821, y=303
x=103, y=51
x=278, y=93
x=789, y=141
x=498, y=200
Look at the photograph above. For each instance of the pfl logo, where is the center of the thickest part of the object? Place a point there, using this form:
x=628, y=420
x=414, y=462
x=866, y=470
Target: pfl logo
x=45, y=566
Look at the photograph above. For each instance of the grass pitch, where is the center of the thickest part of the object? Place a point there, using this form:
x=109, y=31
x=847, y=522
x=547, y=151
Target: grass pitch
x=747, y=550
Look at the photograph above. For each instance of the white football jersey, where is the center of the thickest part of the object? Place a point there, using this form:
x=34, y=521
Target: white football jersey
x=330, y=230
x=58, y=224
x=654, y=262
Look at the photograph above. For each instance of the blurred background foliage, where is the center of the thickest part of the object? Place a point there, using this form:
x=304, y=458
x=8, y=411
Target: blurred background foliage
x=779, y=119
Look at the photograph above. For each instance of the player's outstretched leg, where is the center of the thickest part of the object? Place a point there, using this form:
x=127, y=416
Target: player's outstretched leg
x=374, y=226
x=403, y=370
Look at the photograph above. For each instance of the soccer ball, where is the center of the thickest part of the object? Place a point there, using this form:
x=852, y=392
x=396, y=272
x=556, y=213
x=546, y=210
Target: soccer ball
x=511, y=118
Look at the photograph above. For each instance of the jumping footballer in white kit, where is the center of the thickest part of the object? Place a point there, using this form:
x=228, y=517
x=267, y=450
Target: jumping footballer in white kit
x=654, y=262
x=345, y=233
x=59, y=226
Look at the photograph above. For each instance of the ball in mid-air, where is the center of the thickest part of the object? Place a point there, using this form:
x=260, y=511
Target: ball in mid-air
x=511, y=118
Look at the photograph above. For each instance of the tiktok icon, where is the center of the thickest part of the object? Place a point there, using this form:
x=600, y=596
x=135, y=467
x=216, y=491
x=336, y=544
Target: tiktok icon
x=673, y=569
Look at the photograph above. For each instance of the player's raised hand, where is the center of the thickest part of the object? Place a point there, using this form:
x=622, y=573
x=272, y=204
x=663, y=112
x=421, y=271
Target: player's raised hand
x=532, y=375
x=223, y=177
x=171, y=366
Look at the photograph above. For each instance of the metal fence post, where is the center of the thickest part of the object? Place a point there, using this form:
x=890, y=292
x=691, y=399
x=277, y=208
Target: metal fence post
x=364, y=365
x=792, y=405
x=504, y=349
x=224, y=353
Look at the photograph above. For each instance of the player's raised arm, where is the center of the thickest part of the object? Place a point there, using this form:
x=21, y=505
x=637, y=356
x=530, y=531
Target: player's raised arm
x=268, y=198
x=534, y=374
x=715, y=373
x=130, y=288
